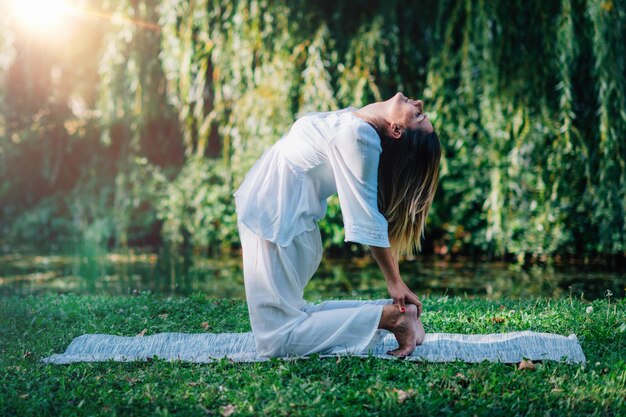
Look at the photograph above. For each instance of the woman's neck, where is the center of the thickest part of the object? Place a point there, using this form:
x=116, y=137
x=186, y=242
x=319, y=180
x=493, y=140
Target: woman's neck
x=373, y=114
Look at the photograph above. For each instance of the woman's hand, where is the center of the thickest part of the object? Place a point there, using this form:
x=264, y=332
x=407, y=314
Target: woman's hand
x=398, y=290
x=402, y=295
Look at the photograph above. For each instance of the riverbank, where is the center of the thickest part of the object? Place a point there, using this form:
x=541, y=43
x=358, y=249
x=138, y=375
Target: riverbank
x=125, y=274
x=35, y=327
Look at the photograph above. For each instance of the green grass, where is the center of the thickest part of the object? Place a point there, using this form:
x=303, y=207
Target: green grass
x=34, y=327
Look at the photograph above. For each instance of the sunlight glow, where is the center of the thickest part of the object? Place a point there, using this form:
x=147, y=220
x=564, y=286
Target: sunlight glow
x=40, y=15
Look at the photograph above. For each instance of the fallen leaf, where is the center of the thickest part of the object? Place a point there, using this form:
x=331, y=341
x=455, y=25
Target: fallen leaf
x=205, y=324
x=24, y=396
x=163, y=316
x=143, y=332
x=192, y=384
x=403, y=395
x=462, y=380
x=131, y=380
x=227, y=410
x=497, y=319
x=27, y=354
x=526, y=364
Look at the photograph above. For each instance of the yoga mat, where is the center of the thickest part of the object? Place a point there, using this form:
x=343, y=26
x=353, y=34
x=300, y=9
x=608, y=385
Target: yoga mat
x=239, y=347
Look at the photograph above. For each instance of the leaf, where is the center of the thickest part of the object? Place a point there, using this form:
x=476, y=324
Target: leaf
x=227, y=410
x=163, y=316
x=142, y=333
x=403, y=395
x=526, y=364
x=462, y=380
x=205, y=324
x=497, y=319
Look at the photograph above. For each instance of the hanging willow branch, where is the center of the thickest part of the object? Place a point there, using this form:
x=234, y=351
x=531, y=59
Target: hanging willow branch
x=527, y=96
x=608, y=20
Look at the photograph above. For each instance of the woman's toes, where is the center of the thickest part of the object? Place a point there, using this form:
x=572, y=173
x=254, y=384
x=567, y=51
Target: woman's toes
x=401, y=353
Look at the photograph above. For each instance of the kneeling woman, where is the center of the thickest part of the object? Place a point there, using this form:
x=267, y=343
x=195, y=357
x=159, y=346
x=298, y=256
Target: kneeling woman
x=383, y=162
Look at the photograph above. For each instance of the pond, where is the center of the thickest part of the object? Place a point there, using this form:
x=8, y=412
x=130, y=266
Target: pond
x=95, y=272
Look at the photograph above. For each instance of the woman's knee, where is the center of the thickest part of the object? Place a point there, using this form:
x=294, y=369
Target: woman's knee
x=269, y=350
x=271, y=347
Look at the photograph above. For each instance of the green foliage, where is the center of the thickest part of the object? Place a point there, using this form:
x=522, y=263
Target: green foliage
x=514, y=174
x=528, y=99
x=44, y=222
x=198, y=207
x=608, y=20
x=331, y=227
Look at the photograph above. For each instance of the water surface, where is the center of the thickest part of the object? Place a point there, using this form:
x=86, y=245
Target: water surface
x=96, y=272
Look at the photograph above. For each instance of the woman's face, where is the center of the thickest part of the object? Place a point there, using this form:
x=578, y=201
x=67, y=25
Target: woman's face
x=408, y=113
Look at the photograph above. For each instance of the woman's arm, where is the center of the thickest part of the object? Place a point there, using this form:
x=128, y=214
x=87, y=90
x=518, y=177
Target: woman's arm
x=398, y=290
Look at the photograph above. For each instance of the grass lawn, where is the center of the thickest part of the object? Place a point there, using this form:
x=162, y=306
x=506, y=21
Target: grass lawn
x=34, y=327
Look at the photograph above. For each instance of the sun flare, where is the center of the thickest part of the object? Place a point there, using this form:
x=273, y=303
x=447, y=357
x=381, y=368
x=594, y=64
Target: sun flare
x=40, y=15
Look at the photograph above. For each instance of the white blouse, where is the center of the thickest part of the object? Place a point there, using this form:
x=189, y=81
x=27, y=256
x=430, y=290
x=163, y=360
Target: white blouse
x=285, y=192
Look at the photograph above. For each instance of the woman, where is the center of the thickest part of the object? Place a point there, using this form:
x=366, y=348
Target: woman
x=382, y=160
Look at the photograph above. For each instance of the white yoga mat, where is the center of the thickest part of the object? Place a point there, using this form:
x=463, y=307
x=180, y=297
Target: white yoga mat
x=239, y=347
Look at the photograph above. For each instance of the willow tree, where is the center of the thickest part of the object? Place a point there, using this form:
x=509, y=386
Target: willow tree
x=528, y=98
x=530, y=166
x=526, y=163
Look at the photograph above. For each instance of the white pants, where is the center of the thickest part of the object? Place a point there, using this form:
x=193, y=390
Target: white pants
x=282, y=322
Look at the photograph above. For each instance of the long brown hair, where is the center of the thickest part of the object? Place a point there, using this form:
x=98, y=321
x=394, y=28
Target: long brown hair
x=408, y=173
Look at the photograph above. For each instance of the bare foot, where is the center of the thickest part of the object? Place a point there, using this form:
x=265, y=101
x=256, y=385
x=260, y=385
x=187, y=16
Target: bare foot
x=420, y=333
x=404, y=327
